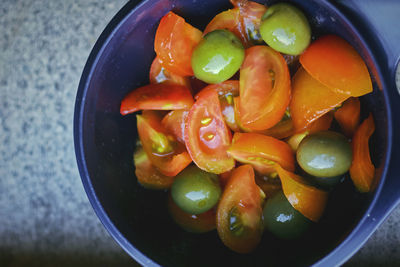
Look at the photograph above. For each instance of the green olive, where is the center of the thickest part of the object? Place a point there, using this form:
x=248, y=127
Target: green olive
x=324, y=154
x=285, y=28
x=217, y=57
x=195, y=191
x=281, y=219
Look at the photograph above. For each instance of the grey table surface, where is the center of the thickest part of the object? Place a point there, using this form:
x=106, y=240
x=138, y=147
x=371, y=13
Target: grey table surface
x=45, y=216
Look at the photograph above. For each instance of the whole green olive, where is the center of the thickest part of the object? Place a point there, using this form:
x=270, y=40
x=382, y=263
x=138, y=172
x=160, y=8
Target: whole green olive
x=195, y=191
x=217, y=57
x=285, y=28
x=281, y=219
x=324, y=154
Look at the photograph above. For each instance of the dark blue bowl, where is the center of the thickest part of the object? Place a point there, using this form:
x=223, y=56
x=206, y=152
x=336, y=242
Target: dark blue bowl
x=137, y=218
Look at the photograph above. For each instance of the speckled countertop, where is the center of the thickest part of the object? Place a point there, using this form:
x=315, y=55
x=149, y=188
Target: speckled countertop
x=45, y=216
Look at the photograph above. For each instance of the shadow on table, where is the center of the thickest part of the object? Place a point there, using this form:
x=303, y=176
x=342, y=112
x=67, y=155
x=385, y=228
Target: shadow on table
x=65, y=259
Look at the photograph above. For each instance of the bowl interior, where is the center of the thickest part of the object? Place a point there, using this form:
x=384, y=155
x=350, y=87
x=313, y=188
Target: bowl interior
x=140, y=215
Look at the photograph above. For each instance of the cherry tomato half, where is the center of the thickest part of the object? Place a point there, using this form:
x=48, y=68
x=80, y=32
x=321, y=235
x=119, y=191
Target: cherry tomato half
x=239, y=212
x=262, y=152
x=158, y=74
x=264, y=88
x=206, y=136
x=174, y=43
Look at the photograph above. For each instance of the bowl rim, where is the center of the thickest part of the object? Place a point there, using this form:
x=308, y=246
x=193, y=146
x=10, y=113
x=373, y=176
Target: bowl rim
x=337, y=256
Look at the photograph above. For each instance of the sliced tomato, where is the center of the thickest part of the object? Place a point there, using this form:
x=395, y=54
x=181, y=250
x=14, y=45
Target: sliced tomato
x=250, y=14
x=174, y=122
x=147, y=175
x=321, y=124
x=264, y=88
x=308, y=200
x=261, y=151
x=199, y=223
x=362, y=171
x=336, y=64
x=163, y=150
x=206, y=136
x=348, y=116
x=226, y=92
x=228, y=20
x=311, y=100
x=174, y=43
x=158, y=74
x=239, y=212
x=157, y=97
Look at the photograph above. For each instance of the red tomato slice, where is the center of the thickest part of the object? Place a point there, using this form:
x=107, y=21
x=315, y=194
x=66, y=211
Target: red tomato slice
x=226, y=91
x=206, y=136
x=239, y=212
x=336, y=64
x=348, y=116
x=158, y=74
x=199, y=223
x=157, y=97
x=311, y=100
x=262, y=152
x=147, y=175
x=308, y=200
x=164, y=152
x=174, y=43
x=174, y=122
x=264, y=88
x=250, y=14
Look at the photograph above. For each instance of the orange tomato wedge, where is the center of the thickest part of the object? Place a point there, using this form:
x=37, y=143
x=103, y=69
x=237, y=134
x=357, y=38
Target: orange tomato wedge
x=308, y=200
x=174, y=43
x=336, y=64
x=348, y=116
x=147, y=175
x=261, y=151
x=311, y=100
x=157, y=97
x=239, y=212
x=264, y=88
x=362, y=171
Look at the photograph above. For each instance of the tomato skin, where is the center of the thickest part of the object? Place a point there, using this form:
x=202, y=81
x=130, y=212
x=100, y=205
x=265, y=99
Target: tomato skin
x=206, y=136
x=335, y=63
x=265, y=83
x=174, y=122
x=158, y=74
x=308, y=200
x=147, y=175
x=174, y=43
x=262, y=152
x=157, y=97
x=199, y=223
x=243, y=198
x=172, y=156
x=311, y=100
